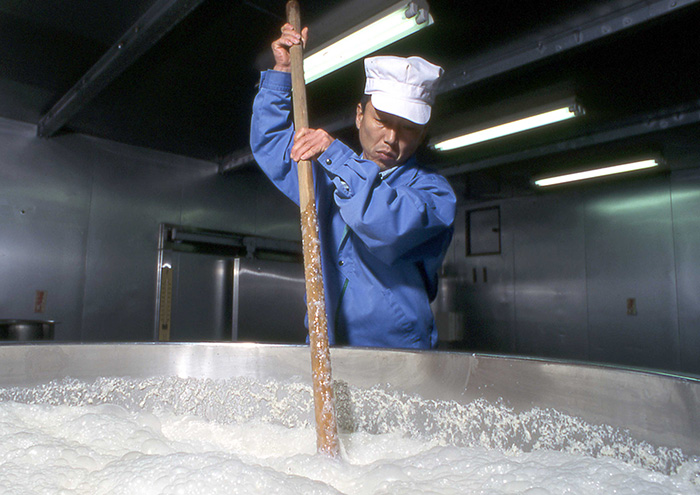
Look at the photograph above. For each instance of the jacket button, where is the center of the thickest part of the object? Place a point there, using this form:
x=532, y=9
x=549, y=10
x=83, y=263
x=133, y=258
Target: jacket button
x=328, y=161
x=341, y=263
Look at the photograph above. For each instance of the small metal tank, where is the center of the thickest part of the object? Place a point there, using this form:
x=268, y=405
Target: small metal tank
x=23, y=330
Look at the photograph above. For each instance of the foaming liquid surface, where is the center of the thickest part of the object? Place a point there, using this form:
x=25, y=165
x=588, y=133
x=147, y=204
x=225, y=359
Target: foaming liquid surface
x=186, y=436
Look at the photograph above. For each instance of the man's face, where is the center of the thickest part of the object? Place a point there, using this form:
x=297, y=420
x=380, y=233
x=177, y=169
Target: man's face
x=387, y=139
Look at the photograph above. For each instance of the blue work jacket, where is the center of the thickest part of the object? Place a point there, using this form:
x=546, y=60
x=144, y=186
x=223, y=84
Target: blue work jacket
x=383, y=235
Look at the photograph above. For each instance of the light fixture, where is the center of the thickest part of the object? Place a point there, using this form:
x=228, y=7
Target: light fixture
x=388, y=26
x=599, y=172
x=556, y=112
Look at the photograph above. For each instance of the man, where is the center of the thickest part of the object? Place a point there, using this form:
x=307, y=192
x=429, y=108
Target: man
x=384, y=221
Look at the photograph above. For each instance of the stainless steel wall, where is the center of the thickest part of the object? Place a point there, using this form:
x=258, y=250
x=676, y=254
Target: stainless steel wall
x=202, y=298
x=685, y=189
x=79, y=219
x=270, y=304
x=44, y=213
x=629, y=254
x=571, y=264
x=549, y=276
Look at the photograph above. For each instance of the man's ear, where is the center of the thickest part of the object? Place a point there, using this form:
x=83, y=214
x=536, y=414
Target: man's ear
x=359, y=115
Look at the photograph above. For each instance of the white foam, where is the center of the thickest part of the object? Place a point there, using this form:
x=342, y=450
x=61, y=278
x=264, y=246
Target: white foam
x=186, y=436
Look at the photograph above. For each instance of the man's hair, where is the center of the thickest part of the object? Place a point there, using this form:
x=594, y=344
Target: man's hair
x=364, y=100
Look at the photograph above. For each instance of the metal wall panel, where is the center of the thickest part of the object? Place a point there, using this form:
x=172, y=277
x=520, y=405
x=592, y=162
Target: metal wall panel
x=270, y=305
x=134, y=191
x=44, y=199
x=202, y=295
x=571, y=263
x=244, y=202
x=484, y=231
x=484, y=302
x=685, y=195
x=630, y=255
x=550, y=276
x=80, y=217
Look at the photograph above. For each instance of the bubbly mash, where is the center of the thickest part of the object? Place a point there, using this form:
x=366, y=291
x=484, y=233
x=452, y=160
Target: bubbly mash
x=187, y=436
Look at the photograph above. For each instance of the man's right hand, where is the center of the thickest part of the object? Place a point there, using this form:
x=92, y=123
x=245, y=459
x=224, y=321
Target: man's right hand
x=281, y=46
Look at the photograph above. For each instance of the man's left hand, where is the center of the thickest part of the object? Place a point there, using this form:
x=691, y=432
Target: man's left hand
x=309, y=144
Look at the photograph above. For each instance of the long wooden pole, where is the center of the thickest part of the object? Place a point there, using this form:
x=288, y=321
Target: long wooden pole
x=326, y=428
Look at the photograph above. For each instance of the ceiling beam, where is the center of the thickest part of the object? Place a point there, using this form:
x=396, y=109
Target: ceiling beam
x=554, y=40
x=157, y=21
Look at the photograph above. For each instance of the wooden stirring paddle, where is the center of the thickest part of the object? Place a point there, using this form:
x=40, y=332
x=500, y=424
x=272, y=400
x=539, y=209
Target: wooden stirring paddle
x=327, y=442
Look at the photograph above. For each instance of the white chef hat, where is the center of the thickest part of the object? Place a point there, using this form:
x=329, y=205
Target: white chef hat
x=402, y=86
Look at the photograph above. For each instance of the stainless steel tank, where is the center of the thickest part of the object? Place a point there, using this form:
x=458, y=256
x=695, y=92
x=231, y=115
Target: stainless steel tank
x=21, y=330
x=658, y=408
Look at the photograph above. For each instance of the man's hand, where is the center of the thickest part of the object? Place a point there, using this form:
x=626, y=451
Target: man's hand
x=310, y=143
x=281, y=46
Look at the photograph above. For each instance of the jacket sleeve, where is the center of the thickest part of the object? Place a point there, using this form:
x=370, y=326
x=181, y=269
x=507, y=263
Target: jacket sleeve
x=272, y=132
x=408, y=221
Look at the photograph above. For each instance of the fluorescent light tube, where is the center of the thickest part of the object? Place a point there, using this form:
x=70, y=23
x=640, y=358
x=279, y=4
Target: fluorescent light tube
x=600, y=172
x=520, y=125
x=391, y=25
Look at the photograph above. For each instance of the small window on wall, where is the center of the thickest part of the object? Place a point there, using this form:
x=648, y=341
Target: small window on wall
x=483, y=231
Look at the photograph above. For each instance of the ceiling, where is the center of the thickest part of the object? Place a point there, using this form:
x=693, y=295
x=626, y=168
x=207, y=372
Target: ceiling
x=188, y=89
